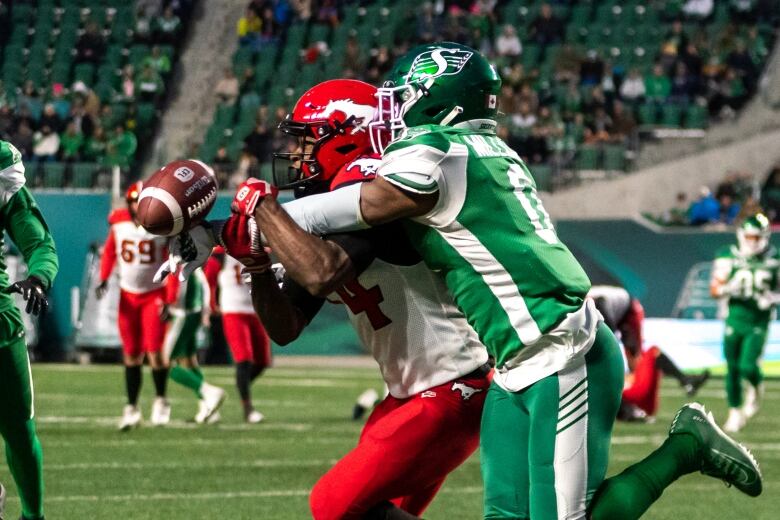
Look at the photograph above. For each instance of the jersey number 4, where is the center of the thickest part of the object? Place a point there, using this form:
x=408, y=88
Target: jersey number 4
x=359, y=299
x=144, y=250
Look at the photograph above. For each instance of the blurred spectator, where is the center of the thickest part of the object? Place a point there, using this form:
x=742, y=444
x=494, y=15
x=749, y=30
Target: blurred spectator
x=567, y=63
x=698, y=9
x=546, y=28
x=302, y=8
x=428, y=24
x=327, y=12
x=247, y=81
x=353, y=55
x=682, y=89
x=729, y=209
x=379, y=64
x=258, y=143
x=46, y=144
x=705, y=209
x=592, y=69
x=524, y=118
x=632, y=90
x=71, y=143
x=600, y=127
x=6, y=122
x=167, y=28
x=90, y=46
x=22, y=138
x=143, y=26
x=657, y=85
x=739, y=61
x=158, y=61
x=128, y=84
x=223, y=166
x=29, y=100
x=226, y=88
x=149, y=86
x=507, y=101
x=507, y=43
x=60, y=102
x=749, y=208
x=120, y=149
x=692, y=60
x=50, y=118
x=528, y=95
x=623, y=123
x=480, y=41
x=248, y=29
x=678, y=215
x=770, y=194
x=514, y=76
x=673, y=44
x=95, y=146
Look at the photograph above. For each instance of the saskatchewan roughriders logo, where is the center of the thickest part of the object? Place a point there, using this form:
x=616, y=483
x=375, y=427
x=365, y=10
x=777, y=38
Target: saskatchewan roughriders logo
x=438, y=62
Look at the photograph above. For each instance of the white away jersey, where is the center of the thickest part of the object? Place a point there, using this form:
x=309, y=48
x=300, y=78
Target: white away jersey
x=234, y=296
x=139, y=255
x=406, y=318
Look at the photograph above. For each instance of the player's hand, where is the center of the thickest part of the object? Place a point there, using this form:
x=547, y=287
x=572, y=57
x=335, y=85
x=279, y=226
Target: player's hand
x=165, y=312
x=188, y=251
x=101, y=289
x=33, y=292
x=241, y=239
x=249, y=194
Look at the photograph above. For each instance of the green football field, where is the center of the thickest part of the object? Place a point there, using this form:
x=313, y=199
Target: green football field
x=233, y=470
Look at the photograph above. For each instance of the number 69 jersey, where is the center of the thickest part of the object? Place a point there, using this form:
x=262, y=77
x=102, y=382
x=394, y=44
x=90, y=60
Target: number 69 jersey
x=138, y=252
x=749, y=281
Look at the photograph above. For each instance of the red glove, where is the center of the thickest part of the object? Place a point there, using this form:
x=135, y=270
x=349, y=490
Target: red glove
x=249, y=193
x=241, y=239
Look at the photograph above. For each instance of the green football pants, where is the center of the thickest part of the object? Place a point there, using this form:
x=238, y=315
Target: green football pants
x=17, y=426
x=180, y=339
x=544, y=450
x=743, y=345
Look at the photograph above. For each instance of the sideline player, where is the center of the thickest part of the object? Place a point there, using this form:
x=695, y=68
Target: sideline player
x=244, y=333
x=142, y=306
x=624, y=316
x=746, y=274
x=475, y=217
x=24, y=223
x=188, y=309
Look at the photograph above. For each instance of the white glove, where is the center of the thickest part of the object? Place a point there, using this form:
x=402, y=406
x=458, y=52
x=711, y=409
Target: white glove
x=187, y=252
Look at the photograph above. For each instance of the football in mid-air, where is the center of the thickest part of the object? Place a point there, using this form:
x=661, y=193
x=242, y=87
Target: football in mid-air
x=178, y=196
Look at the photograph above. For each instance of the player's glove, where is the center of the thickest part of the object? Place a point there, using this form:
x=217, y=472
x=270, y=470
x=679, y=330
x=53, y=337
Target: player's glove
x=165, y=312
x=241, y=239
x=101, y=289
x=249, y=194
x=33, y=292
x=188, y=251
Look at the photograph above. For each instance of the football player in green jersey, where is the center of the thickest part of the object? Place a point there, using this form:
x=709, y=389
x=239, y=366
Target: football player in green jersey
x=473, y=213
x=22, y=220
x=747, y=275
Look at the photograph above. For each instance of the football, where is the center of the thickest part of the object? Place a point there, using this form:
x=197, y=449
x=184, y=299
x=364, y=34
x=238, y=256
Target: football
x=178, y=196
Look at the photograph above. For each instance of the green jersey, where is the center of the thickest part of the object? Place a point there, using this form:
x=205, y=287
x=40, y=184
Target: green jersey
x=22, y=220
x=520, y=288
x=750, y=283
x=191, y=294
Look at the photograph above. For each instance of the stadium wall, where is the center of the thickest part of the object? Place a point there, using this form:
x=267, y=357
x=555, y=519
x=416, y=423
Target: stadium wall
x=653, y=189
x=650, y=263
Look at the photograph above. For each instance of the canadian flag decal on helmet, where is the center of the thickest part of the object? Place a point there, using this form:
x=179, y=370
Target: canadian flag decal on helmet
x=363, y=114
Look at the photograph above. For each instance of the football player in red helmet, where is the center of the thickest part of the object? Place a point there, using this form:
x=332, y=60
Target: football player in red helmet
x=429, y=423
x=141, y=303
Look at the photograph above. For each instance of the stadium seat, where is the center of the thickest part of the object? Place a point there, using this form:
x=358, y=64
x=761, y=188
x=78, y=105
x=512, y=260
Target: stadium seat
x=615, y=157
x=53, y=174
x=671, y=115
x=696, y=116
x=542, y=174
x=83, y=174
x=588, y=158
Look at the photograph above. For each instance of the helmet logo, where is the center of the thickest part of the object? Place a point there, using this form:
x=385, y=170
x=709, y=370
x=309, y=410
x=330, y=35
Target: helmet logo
x=363, y=114
x=447, y=62
x=367, y=166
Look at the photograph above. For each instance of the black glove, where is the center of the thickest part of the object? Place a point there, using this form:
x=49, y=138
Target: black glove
x=101, y=289
x=33, y=292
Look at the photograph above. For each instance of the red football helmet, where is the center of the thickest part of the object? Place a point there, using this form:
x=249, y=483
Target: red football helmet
x=330, y=121
x=134, y=191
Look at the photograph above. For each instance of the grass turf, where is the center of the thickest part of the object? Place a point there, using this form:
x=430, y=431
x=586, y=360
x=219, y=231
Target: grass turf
x=233, y=470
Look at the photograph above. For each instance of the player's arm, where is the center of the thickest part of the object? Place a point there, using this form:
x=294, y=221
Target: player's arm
x=27, y=228
x=286, y=311
x=719, y=279
x=318, y=265
x=107, y=263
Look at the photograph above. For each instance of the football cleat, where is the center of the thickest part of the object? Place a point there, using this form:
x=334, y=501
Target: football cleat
x=695, y=382
x=721, y=456
x=735, y=421
x=753, y=395
x=254, y=417
x=213, y=397
x=161, y=412
x=2, y=501
x=365, y=402
x=214, y=419
x=131, y=418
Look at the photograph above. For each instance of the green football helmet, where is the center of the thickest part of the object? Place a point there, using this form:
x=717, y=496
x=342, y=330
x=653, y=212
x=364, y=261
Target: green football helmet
x=753, y=235
x=441, y=83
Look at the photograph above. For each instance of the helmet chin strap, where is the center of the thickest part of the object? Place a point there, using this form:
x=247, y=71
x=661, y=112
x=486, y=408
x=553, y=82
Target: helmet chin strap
x=455, y=112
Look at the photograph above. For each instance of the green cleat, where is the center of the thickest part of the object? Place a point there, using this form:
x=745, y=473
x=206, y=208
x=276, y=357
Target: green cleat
x=721, y=456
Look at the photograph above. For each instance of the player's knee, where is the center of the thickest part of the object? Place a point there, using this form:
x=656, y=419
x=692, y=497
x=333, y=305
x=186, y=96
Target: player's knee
x=748, y=370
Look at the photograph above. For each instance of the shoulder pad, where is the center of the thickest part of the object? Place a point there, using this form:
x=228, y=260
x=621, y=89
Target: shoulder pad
x=361, y=169
x=427, y=135
x=119, y=215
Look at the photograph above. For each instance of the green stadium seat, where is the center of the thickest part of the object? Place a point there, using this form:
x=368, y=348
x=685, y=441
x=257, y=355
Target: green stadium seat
x=53, y=174
x=696, y=116
x=615, y=157
x=83, y=174
x=647, y=114
x=671, y=115
x=145, y=114
x=588, y=158
x=84, y=72
x=543, y=176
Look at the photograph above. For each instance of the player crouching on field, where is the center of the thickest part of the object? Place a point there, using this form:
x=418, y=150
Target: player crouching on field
x=432, y=361
x=142, y=305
